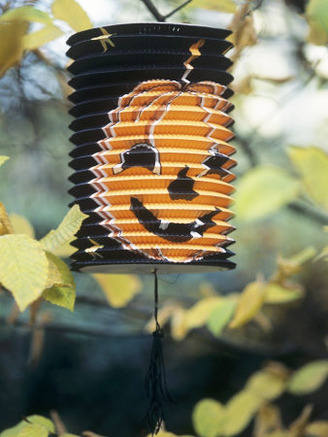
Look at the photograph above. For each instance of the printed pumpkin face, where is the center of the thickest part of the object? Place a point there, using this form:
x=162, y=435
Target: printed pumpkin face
x=162, y=179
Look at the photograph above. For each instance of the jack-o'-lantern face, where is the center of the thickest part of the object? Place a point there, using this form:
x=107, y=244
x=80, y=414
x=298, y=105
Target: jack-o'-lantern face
x=162, y=182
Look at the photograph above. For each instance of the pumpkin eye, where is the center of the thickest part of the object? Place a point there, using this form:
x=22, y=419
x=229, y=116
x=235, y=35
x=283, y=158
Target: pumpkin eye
x=140, y=155
x=213, y=164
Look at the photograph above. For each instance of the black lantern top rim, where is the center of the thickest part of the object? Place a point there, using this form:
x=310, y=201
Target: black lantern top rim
x=144, y=28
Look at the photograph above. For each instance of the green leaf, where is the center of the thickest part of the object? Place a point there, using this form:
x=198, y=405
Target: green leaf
x=26, y=13
x=308, y=378
x=11, y=44
x=36, y=421
x=33, y=431
x=199, y=313
x=239, y=412
x=216, y=5
x=277, y=293
x=207, y=418
x=71, y=12
x=61, y=288
x=21, y=225
x=221, y=315
x=317, y=14
x=118, y=289
x=65, y=231
x=250, y=302
x=23, y=268
x=262, y=191
x=267, y=384
x=3, y=159
x=312, y=165
x=40, y=37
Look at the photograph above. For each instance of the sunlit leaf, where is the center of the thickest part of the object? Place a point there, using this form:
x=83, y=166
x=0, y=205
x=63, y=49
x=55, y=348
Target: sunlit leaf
x=277, y=294
x=179, y=328
x=118, y=289
x=23, y=268
x=221, y=315
x=198, y=314
x=239, y=412
x=21, y=225
x=60, y=285
x=71, y=12
x=268, y=383
x=65, y=231
x=5, y=223
x=317, y=429
x=207, y=418
x=264, y=190
x=250, y=302
x=291, y=266
x=11, y=44
x=216, y=5
x=35, y=420
x=3, y=159
x=308, y=378
x=30, y=430
x=312, y=165
x=27, y=13
x=317, y=14
x=40, y=37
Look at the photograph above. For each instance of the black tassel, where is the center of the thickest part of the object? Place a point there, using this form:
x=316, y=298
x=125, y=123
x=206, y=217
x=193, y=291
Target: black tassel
x=156, y=386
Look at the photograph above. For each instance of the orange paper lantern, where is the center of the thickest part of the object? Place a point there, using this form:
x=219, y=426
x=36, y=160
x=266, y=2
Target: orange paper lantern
x=152, y=160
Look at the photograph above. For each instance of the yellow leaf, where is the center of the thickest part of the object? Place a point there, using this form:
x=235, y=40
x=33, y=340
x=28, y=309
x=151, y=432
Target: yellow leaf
x=64, y=251
x=199, y=313
x=118, y=289
x=312, y=165
x=239, y=412
x=179, y=327
x=291, y=266
x=23, y=268
x=221, y=314
x=26, y=13
x=277, y=294
x=40, y=37
x=207, y=418
x=3, y=159
x=308, y=378
x=317, y=429
x=60, y=285
x=5, y=223
x=262, y=191
x=297, y=428
x=228, y=6
x=71, y=12
x=11, y=44
x=250, y=302
x=21, y=225
x=268, y=384
x=65, y=231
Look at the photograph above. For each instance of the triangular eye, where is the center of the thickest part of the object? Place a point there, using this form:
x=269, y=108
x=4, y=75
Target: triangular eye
x=214, y=163
x=140, y=155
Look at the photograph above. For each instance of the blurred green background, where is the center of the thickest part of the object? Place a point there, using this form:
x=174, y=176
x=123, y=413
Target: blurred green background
x=90, y=365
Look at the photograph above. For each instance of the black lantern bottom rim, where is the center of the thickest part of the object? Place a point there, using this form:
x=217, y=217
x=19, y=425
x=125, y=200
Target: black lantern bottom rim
x=143, y=267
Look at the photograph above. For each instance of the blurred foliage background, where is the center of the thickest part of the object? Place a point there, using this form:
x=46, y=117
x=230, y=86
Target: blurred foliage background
x=246, y=350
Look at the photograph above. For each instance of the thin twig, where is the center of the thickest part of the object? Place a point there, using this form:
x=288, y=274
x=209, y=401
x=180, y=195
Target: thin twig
x=178, y=8
x=153, y=10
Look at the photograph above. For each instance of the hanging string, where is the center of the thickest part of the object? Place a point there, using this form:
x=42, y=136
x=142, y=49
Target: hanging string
x=156, y=386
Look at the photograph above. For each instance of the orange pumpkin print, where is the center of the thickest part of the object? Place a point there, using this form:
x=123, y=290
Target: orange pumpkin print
x=162, y=177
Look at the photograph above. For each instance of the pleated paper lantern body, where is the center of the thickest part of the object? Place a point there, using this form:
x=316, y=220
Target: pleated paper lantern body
x=152, y=159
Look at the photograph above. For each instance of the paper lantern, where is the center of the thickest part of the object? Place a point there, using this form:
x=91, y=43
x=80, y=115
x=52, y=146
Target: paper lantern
x=152, y=160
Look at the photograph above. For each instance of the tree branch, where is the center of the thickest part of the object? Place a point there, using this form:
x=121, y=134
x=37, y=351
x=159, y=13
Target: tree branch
x=155, y=12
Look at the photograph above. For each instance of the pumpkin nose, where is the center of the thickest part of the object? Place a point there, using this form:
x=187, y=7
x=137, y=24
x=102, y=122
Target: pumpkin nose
x=182, y=186
x=140, y=155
